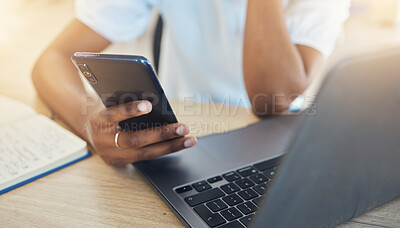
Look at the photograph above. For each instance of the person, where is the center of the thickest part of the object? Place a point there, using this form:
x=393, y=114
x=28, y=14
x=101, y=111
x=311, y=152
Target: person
x=256, y=53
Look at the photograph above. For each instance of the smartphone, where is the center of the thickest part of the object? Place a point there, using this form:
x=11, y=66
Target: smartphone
x=119, y=79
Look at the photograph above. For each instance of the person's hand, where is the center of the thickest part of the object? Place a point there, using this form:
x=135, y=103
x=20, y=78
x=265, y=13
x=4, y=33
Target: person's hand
x=102, y=126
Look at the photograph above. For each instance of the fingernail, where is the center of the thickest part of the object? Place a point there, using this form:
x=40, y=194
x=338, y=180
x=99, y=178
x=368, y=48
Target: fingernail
x=189, y=143
x=181, y=130
x=142, y=106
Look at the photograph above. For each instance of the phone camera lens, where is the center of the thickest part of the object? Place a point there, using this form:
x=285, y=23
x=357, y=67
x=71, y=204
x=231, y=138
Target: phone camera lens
x=87, y=73
x=92, y=80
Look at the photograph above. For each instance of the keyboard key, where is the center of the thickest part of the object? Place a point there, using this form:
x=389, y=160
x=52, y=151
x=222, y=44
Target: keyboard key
x=265, y=165
x=258, y=178
x=270, y=173
x=231, y=176
x=231, y=214
x=214, y=179
x=183, y=189
x=244, y=183
x=246, y=220
x=247, y=208
x=230, y=188
x=261, y=188
x=201, y=186
x=232, y=200
x=248, y=194
x=234, y=224
x=217, y=205
x=247, y=171
x=203, y=197
x=210, y=218
x=258, y=200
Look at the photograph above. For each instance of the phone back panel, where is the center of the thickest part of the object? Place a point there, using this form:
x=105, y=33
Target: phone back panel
x=121, y=79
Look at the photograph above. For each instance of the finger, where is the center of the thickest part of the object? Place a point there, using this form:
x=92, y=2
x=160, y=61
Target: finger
x=131, y=109
x=147, y=137
x=126, y=156
x=165, y=148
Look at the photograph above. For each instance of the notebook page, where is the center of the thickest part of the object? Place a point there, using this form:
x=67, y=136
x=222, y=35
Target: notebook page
x=12, y=110
x=29, y=145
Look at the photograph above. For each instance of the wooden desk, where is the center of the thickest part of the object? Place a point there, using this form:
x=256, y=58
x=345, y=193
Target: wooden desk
x=92, y=194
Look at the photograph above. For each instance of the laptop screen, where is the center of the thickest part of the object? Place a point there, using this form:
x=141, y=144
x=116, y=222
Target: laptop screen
x=345, y=160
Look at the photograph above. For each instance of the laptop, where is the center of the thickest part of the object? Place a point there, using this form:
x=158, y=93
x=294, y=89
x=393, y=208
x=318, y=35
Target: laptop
x=331, y=163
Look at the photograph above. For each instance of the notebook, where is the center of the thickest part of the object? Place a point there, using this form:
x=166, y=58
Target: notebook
x=32, y=145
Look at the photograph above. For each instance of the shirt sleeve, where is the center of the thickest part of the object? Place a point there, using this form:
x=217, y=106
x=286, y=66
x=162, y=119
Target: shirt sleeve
x=116, y=20
x=317, y=23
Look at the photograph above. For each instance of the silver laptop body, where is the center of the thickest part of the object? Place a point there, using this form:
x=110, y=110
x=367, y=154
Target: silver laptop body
x=340, y=160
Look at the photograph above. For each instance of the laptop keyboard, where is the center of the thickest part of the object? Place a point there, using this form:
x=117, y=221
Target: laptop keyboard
x=230, y=200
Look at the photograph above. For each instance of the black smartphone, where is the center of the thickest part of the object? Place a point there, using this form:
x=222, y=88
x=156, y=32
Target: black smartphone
x=119, y=79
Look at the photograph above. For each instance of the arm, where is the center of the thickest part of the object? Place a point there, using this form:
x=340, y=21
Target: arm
x=60, y=86
x=275, y=70
x=56, y=79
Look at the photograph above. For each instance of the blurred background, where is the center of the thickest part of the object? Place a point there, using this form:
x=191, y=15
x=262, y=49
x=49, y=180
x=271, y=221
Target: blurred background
x=28, y=26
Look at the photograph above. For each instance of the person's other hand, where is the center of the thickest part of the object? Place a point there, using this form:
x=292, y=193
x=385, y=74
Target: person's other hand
x=102, y=126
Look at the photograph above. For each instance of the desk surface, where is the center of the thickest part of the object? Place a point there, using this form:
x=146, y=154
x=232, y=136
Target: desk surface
x=93, y=194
